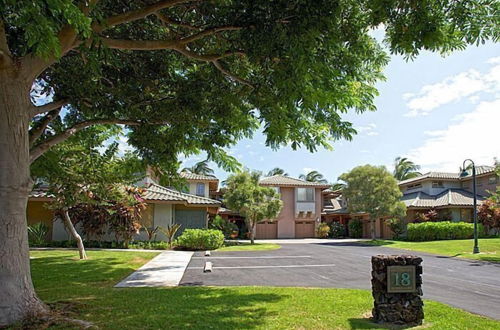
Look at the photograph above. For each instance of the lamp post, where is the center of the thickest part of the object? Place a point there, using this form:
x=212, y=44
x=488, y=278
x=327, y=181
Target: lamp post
x=464, y=174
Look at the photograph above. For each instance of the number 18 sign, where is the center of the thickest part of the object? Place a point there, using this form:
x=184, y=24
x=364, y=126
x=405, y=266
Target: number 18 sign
x=401, y=279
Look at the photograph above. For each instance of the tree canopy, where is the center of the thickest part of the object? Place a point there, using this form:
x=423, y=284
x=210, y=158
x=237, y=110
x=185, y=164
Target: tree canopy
x=373, y=190
x=254, y=202
x=405, y=169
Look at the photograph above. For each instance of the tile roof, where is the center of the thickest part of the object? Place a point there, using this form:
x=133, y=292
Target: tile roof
x=159, y=193
x=449, y=197
x=482, y=169
x=194, y=176
x=286, y=181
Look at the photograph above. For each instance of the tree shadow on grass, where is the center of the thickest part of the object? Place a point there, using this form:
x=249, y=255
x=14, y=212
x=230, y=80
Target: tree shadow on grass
x=89, y=285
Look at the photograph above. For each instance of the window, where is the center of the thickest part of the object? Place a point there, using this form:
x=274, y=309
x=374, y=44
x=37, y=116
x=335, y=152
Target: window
x=437, y=184
x=276, y=189
x=305, y=194
x=492, y=180
x=200, y=189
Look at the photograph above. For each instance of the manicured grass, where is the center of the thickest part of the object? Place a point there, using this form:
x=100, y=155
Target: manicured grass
x=489, y=247
x=87, y=288
x=249, y=247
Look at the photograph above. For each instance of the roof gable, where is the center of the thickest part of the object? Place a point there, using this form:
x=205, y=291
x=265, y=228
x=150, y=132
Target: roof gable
x=286, y=181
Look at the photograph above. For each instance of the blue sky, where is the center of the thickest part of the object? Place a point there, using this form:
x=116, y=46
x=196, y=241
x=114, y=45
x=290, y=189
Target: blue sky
x=436, y=110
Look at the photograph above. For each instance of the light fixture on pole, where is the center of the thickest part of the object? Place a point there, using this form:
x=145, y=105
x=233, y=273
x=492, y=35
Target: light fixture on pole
x=464, y=174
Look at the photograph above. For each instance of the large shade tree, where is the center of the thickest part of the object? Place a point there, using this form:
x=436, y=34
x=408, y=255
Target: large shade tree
x=372, y=190
x=405, y=169
x=191, y=75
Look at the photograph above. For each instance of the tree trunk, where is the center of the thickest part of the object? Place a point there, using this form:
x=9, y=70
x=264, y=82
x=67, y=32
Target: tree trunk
x=17, y=295
x=252, y=233
x=372, y=228
x=74, y=234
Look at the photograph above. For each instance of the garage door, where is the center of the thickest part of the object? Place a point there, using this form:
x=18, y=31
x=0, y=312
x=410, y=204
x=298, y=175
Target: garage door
x=267, y=230
x=304, y=229
x=190, y=219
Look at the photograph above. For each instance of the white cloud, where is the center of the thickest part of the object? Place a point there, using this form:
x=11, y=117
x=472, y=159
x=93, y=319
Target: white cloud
x=452, y=89
x=474, y=135
x=368, y=130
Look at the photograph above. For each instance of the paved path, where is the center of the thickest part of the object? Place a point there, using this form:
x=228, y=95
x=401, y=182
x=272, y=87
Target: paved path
x=166, y=269
x=467, y=284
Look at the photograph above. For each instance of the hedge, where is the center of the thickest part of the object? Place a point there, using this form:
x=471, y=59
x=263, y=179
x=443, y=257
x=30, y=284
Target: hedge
x=200, y=239
x=433, y=231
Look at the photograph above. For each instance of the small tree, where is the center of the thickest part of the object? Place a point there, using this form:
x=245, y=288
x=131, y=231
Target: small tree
x=373, y=190
x=79, y=172
x=256, y=203
x=489, y=215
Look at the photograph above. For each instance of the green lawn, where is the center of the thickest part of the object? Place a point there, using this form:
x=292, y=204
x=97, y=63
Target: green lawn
x=489, y=247
x=249, y=247
x=84, y=289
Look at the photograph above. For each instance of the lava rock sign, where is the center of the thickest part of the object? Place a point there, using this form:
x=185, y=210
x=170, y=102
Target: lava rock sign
x=396, y=289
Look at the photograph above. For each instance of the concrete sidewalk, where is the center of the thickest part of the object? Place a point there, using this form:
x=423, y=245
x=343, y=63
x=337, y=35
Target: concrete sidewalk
x=166, y=269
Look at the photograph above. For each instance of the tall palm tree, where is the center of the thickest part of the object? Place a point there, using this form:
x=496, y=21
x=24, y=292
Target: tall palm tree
x=199, y=168
x=277, y=171
x=337, y=186
x=313, y=176
x=405, y=169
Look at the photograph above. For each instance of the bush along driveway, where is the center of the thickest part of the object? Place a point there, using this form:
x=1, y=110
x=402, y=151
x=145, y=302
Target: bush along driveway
x=489, y=247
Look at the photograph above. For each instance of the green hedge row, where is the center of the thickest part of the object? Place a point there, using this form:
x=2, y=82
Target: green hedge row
x=433, y=231
x=200, y=239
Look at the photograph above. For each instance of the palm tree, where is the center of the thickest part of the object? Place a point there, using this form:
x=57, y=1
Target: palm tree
x=313, y=176
x=337, y=186
x=405, y=169
x=199, y=168
x=277, y=171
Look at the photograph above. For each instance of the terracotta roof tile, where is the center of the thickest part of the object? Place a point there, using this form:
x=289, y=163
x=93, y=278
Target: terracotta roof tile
x=280, y=180
x=194, y=176
x=449, y=197
x=159, y=193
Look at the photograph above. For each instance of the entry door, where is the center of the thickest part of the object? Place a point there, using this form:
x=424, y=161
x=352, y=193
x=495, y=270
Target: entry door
x=304, y=229
x=190, y=219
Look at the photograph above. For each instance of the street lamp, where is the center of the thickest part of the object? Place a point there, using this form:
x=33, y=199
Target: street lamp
x=464, y=174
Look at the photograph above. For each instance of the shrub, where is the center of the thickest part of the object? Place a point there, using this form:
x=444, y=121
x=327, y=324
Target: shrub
x=397, y=226
x=355, y=228
x=226, y=227
x=200, y=239
x=337, y=230
x=149, y=245
x=432, y=231
x=323, y=230
x=37, y=234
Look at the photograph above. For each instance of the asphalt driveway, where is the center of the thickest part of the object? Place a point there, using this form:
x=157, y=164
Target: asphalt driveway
x=467, y=284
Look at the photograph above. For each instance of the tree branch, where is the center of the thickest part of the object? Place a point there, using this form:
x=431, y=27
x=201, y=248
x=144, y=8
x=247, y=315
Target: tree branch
x=40, y=127
x=208, y=32
x=136, y=14
x=230, y=75
x=36, y=110
x=207, y=57
x=41, y=148
x=140, y=44
x=167, y=20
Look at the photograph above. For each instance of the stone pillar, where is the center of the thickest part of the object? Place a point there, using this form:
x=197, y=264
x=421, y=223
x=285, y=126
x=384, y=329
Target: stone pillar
x=403, y=305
